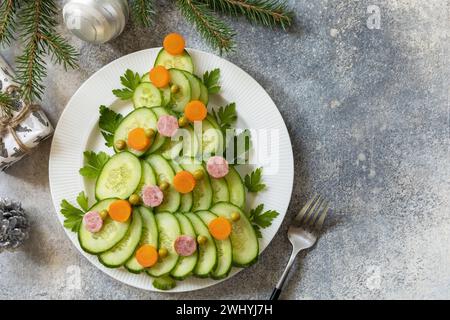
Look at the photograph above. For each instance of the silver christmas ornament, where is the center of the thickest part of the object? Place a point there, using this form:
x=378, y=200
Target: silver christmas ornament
x=96, y=21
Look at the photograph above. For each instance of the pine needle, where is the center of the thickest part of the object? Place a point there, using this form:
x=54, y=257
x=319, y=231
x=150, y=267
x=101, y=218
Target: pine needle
x=8, y=22
x=6, y=105
x=215, y=31
x=142, y=11
x=37, y=21
x=61, y=52
x=266, y=12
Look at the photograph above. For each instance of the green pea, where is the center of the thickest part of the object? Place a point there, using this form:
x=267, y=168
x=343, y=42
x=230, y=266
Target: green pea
x=235, y=216
x=164, y=185
x=198, y=174
x=120, y=144
x=134, y=199
x=174, y=88
x=202, y=240
x=162, y=252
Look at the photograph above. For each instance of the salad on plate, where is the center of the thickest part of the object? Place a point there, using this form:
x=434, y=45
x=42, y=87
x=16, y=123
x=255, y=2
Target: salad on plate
x=170, y=203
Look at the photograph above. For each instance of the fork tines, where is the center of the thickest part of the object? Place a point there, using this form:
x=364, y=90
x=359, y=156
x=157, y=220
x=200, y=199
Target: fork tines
x=313, y=213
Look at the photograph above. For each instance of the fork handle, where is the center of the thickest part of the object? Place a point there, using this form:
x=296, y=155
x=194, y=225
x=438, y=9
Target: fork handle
x=277, y=290
x=275, y=294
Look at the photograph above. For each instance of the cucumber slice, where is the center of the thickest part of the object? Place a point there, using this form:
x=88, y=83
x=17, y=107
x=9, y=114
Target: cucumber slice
x=244, y=242
x=147, y=95
x=191, y=144
x=204, y=96
x=207, y=253
x=187, y=144
x=185, y=265
x=186, y=198
x=164, y=172
x=224, y=250
x=110, y=234
x=202, y=192
x=195, y=85
x=169, y=230
x=160, y=111
x=212, y=140
x=164, y=283
x=149, y=236
x=166, y=94
x=119, y=177
x=159, y=140
x=235, y=188
x=171, y=149
x=147, y=178
x=140, y=118
x=183, y=96
x=182, y=61
x=220, y=190
x=146, y=77
x=121, y=252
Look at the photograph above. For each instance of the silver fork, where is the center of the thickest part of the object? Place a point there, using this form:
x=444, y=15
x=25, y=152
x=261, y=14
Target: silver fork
x=303, y=233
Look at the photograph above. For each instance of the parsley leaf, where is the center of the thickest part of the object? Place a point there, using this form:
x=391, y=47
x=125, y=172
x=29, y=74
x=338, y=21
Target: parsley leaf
x=109, y=138
x=260, y=219
x=265, y=220
x=108, y=123
x=74, y=215
x=94, y=163
x=257, y=231
x=253, y=181
x=130, y=80
x=211, y=80
x=226, y=116
x=82, y=201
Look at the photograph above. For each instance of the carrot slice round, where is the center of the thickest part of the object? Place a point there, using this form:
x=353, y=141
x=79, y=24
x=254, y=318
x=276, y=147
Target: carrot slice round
x=184, y=182
x=174, y=44
x=220, y=228
x=138, y=140
x=120, y=210
x=147, y=255
x=159, y=76
x=195, y=111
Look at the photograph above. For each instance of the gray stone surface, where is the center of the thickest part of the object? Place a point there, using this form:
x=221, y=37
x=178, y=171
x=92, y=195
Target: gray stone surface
x=368, y=115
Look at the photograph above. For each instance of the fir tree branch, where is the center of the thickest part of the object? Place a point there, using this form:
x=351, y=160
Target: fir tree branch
x=37, y=29
x=216, y=32
x=142, y=11
x=6, y=104
x=31, y=68
x=266, y=12
x=8, y=10
x=61, y=51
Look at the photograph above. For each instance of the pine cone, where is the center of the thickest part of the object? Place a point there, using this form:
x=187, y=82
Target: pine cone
x=14, y=225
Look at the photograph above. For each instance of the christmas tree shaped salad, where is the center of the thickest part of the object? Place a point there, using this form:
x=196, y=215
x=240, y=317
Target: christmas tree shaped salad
x=167, y=206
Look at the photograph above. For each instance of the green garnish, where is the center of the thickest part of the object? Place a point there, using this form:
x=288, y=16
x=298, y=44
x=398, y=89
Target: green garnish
x=94, y=164
x=254, y=182
x=226, y=116
x=108, y=123
x=74, y=215
x=130, y=80
x=211, y=80
x=6, y=105
x=260, y=219
x=164, y=283
x=83, y=201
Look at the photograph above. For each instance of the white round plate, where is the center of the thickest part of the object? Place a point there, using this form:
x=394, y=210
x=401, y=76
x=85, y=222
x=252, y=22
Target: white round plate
x=78, y=131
